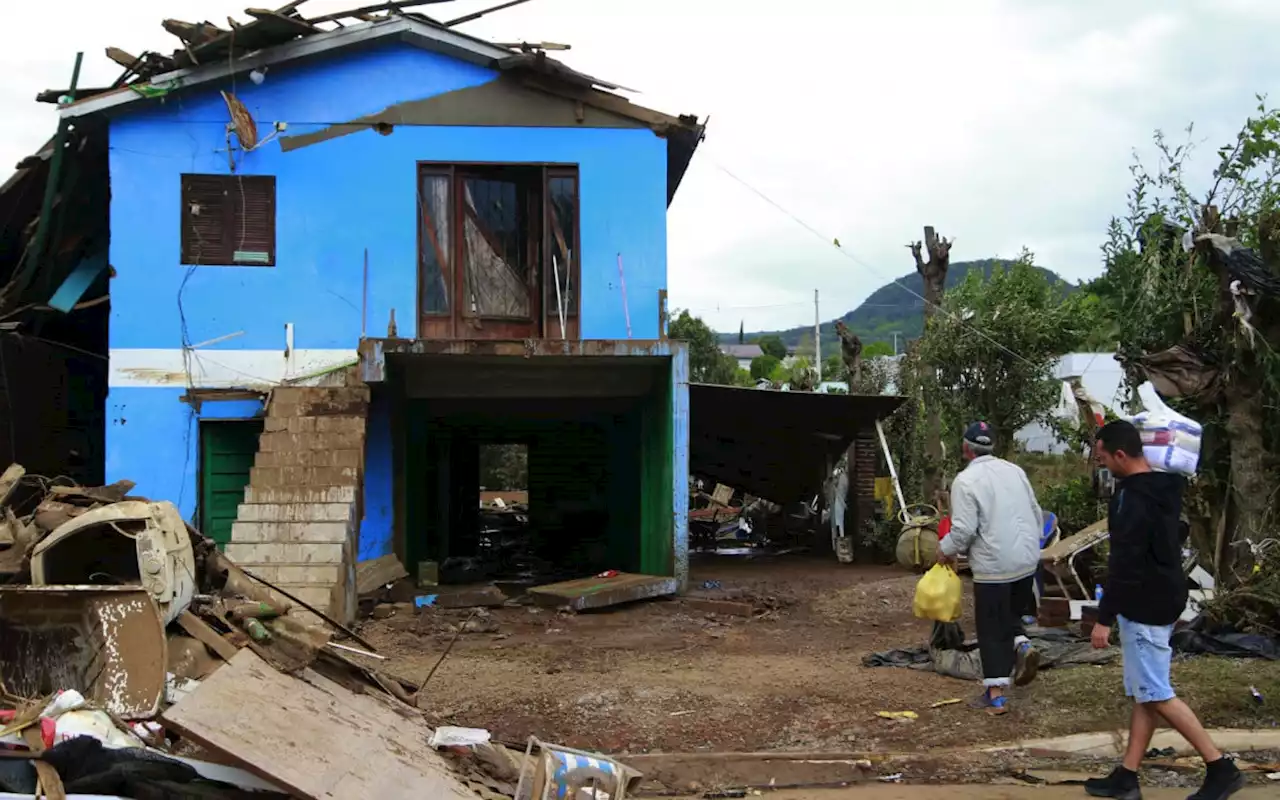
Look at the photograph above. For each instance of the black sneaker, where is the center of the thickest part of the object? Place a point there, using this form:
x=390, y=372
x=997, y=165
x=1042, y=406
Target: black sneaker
x=1222, y=779
x=1121, y=784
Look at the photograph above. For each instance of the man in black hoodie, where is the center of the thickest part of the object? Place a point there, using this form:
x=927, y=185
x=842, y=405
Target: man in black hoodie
x=1146, y=592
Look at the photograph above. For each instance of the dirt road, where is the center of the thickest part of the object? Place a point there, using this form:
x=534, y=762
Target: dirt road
x=672, y=676
x=989, y=793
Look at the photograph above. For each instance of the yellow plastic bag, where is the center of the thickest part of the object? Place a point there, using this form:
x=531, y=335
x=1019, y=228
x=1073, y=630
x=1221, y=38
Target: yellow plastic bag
x=938, y=595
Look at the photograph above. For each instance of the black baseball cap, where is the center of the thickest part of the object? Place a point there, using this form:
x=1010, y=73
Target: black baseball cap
x=981, y=434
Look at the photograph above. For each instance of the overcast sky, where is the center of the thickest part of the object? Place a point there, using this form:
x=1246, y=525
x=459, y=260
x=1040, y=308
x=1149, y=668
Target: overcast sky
x=1002, y=122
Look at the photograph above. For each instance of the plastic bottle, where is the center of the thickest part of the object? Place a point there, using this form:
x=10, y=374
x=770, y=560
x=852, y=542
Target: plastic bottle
x=1097, y=592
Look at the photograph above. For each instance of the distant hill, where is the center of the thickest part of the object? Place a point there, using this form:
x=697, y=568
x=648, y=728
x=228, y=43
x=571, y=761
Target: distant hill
x=889, y=308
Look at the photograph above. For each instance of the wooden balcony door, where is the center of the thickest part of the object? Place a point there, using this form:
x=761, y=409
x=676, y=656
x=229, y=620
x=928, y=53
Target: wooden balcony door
x=498, y=251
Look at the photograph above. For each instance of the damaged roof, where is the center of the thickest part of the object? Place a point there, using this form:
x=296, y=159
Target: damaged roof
x=211, y=53
x=788, y=459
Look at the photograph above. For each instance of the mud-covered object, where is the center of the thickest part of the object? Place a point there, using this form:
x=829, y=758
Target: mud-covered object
x=86, y=767
x=948, y=653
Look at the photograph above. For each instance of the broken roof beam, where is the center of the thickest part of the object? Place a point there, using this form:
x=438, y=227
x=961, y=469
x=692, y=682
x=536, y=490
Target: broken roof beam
x=193, y=34
x=530, y=47
x=53, y=95
x=267, y=29
x=365, y=11
x=123, y=58
x=280, y=22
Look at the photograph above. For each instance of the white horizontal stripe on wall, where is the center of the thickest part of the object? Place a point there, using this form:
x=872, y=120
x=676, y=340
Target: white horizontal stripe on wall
x=221, y=369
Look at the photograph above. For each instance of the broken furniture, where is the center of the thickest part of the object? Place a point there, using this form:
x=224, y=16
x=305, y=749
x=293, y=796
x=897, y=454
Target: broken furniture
x=716, y=520
x=128, y=542
x=1059, y=559
x=562, y=773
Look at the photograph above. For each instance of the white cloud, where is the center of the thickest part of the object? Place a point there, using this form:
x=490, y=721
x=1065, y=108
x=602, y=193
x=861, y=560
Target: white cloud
x=1003, y=123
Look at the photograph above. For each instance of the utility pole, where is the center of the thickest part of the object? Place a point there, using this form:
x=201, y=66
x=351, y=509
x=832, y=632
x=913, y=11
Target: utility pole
x=817, y=337
x=895, y=341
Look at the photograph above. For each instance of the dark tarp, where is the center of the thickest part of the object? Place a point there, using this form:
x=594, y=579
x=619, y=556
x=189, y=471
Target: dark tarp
x=948, y=654
x=1201, y=638
x=777, y=445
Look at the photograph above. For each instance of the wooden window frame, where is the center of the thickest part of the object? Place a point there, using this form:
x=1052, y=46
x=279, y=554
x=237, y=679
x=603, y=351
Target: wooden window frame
x=222, y=253
x=454, y=321
x=551, y=243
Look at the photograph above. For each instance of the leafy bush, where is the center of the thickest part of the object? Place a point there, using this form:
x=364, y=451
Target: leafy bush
x=1074, y=503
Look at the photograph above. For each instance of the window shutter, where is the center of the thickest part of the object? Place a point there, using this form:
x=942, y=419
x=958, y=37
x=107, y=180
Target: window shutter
x=205, y=214
x=229, y=220
x=253, y=233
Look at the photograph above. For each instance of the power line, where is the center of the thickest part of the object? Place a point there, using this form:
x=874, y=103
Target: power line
x=833, y=241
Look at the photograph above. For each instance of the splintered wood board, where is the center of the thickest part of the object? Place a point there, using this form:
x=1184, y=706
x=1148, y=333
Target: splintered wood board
x=588, y=593
x=312, y=737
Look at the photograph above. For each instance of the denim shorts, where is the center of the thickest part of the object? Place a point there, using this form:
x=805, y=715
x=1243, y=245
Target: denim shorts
x=1148, y=660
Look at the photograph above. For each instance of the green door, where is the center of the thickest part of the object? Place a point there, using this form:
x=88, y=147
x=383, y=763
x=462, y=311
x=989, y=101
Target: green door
x=227, y=450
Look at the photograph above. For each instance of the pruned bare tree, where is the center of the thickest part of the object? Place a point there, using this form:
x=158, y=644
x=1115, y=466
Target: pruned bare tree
x=933, y=272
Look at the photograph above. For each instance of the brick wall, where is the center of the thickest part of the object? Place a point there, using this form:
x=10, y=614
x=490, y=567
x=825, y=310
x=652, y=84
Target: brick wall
x=298, y=526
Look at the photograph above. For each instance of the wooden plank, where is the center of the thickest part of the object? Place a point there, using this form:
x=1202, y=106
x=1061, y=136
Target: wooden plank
x=47, y=778
x=312, y=737
x=121, y=57
x=281, y=24
x=375, y=573
x=597, y=592
x=202, y=632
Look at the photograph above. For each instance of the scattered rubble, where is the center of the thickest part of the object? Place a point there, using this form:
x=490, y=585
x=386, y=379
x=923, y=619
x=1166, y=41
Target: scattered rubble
x=137, y=661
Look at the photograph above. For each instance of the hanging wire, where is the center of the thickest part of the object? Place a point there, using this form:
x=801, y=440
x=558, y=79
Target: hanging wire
x=834, y=242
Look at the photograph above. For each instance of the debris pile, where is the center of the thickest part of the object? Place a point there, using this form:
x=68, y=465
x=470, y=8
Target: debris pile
x=729, y=522
x=137, y=661
x=1253, y=605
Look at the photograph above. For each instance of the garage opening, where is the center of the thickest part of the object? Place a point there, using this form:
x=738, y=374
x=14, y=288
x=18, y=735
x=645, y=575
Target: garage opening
x=529, y=471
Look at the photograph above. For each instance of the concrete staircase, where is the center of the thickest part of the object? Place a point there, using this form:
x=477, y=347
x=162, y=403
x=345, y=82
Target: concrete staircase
x=298, y=526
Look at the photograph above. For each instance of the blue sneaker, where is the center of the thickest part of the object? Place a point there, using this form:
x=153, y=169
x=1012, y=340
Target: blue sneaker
x=1027, y=665
x=994, y=706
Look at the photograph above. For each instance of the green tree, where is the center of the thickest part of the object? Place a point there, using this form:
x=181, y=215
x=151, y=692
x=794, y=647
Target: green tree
x=763, y=366
x=994, y=347
x=772, y=345
x=876, y=350
x=741, y=332
x=833, y=368
x=805, y=346
x=801, y=375
x=707, y=364
x=1156, y=297
x=504, y=466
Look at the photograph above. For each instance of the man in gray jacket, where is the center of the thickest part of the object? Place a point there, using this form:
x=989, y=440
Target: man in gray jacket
x=997, y=522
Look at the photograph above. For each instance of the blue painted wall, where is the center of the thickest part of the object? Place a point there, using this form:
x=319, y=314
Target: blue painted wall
x=334, y=200
x=376, y=529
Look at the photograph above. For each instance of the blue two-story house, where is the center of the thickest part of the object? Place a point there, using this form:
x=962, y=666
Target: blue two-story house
x=344, y=260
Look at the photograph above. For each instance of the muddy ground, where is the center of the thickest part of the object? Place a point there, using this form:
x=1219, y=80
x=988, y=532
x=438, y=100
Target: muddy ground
x=662, y=676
